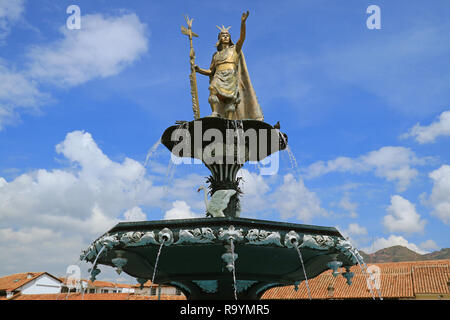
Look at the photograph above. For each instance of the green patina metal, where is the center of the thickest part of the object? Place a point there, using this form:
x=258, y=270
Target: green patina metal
x=222, y=257
x=192, y=256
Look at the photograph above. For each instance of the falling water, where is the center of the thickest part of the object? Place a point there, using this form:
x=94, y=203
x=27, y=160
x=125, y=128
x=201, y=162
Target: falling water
x=234, y=269
x=156, y=265
x=169, y=175
x=95, y=261
x=151, y=151
x=292, y=158
x=304, y=271
x=171, y=167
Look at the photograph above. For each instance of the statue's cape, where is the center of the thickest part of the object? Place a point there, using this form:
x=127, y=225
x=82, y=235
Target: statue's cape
x=248, y=107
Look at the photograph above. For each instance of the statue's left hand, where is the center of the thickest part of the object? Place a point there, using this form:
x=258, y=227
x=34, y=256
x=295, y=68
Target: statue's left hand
x=245, y=16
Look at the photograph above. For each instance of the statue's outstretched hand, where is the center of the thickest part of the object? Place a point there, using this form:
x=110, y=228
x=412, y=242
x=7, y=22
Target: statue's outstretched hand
x=244, y=16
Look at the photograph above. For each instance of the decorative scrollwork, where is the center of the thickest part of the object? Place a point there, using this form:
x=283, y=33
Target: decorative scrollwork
x=139, y=239
x=231, y=233
x=129, y=238
x=262, y=237
x=318, y=242
x=197, y=235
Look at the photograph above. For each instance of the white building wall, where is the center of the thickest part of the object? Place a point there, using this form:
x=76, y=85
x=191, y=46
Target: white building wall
x=42, y=285
x=168, y=290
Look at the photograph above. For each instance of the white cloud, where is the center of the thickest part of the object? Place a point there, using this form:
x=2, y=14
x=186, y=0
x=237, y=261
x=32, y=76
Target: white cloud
x=390, y=163
x=135, y=214
x=429, y=245
x=293, y=199
x=354, y=233
x=27, y=236
x=427, y=134
x=87, y=197
x=403, y=217
x=255, y=189
x=355, y=229
x=181, y=210
x=440, y=195
x=37, y=249
x=10, y=13
x=393, y=240
x=103, y=47
x=348, y=206
x=17, y=93
x=50, y=216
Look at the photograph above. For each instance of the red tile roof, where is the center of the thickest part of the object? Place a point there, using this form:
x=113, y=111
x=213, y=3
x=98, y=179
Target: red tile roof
x=103, y=284
x=15, y=281
x=431, y=279
x=398, y=280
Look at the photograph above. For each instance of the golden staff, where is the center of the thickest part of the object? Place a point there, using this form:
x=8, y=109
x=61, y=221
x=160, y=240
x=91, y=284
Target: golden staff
x=193, y=75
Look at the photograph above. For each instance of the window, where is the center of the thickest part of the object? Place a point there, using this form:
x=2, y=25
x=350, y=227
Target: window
x=178, y=292
x=153, y=292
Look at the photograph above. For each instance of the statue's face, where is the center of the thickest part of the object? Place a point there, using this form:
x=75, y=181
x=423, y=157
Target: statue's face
x=225, y=37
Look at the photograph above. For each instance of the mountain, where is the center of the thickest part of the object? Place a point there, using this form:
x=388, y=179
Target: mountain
x=438, y=255
x=400, y=253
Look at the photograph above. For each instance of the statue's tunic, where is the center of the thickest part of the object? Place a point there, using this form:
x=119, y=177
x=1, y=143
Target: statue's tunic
x=225, y=79
x=230, y=80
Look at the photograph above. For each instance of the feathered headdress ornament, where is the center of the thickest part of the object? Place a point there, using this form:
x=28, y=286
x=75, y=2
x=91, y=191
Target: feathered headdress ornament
x=223, y=29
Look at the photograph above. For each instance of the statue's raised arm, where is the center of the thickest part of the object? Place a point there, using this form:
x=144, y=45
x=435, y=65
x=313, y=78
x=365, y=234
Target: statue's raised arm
x=242, y=37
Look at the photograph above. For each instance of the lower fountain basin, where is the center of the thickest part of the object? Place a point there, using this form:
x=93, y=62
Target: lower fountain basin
x=195, y=255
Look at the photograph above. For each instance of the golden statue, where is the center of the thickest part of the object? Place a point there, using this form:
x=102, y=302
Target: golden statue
x=231, y=93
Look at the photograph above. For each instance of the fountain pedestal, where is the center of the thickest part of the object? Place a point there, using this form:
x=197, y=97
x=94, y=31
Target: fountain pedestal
x=224, y=146
x=222, y=257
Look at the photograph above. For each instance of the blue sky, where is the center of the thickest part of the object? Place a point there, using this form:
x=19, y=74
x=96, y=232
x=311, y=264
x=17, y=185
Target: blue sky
x=367, y=113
